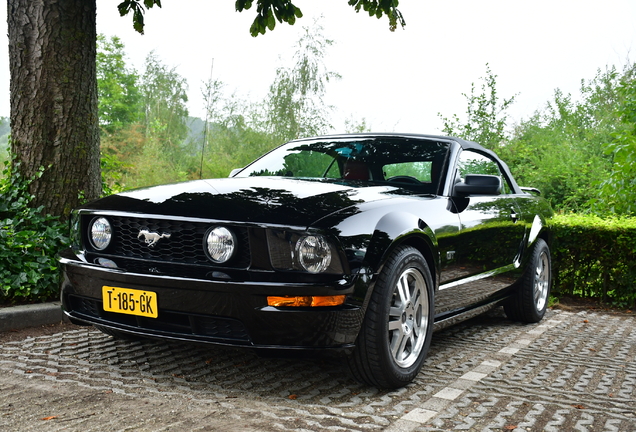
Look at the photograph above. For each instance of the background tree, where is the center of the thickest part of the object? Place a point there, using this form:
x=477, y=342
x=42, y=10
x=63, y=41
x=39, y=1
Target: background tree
x=236, y=132
x=618, y=191
x=156, y=149
x=119, y=110
x=353, y=125
x=561, y=149
x=486, y=116
x=565, y=149
x=53, y=91
x=117, y=84
x=53, y=103
x=164, y=97
x=160, y=132
x=239, y=131
x=295, y=105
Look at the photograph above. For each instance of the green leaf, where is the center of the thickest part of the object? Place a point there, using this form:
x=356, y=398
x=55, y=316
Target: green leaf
x=138, y=20
x=271, y=22
x=124, y=7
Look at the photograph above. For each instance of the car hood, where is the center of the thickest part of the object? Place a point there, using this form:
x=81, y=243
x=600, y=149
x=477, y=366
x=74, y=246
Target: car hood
x=270, y=200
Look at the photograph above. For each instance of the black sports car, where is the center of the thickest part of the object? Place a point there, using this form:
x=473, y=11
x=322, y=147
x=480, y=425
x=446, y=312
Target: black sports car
x=362, y=243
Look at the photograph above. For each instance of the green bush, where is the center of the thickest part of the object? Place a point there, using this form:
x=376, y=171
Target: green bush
x=29, y=242
x=595, y=258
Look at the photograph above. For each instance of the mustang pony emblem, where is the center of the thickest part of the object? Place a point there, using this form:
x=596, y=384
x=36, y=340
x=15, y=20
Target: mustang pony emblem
x=151, y=238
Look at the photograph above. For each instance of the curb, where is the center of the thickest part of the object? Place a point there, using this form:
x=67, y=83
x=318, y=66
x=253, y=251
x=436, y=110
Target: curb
x=23, y=316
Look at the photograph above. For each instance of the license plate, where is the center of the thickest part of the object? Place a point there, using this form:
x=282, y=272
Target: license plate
x=130, y=301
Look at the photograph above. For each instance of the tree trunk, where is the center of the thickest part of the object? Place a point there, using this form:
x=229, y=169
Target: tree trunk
x=54, y=124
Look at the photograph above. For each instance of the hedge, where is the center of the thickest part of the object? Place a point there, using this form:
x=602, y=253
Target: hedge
x=29, y=243
x=595, y=258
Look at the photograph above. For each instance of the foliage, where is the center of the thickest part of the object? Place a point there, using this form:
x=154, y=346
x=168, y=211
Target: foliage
x=146, y=148
x=117, y=85
x=571, y=149
x=239, y=131
x=4, y=139
x=618, y=191
x=235, y=135
x=162, y=148
x=486, y=116
x=164, y=97
x=119, y=111
x=560, y=150
x=137, y=10
x=270, y=11
x=595, y=258
x=295, y=105
x=29, y=242
x=353, y=125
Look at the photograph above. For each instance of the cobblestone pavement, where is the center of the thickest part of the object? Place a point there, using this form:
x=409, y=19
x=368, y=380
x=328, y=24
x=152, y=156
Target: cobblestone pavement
x=574, y=371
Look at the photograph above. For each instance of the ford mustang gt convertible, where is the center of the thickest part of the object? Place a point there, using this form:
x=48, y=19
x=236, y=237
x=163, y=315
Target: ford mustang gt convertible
x=363, y=244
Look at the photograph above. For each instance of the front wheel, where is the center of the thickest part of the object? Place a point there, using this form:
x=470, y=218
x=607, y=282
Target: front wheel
x=398, y=324
x=530, y=300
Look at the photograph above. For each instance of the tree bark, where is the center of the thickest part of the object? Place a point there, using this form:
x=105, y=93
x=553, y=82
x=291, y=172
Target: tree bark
x=54, y=124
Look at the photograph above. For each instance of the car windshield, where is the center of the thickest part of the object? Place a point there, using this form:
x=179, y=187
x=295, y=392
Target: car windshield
x=404, y=162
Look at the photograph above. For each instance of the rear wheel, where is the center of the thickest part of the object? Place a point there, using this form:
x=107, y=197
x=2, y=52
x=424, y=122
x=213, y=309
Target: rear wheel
x=398, y=325
x=530, y=300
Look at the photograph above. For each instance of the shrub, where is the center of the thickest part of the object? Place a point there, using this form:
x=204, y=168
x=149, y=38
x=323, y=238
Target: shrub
x=596, y=258
x=29, y=242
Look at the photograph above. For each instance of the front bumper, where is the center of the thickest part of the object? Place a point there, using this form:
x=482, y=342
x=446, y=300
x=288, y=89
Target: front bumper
x=213, y=311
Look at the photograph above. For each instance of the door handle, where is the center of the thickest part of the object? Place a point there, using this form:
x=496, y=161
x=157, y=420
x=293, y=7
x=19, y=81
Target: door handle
x=514, y=216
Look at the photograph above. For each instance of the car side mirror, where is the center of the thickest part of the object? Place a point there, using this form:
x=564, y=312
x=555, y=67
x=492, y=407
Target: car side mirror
x=479, y=184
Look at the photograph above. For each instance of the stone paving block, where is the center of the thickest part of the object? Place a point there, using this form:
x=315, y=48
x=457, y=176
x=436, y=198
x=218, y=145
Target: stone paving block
x=448, y=393
x=485, y=374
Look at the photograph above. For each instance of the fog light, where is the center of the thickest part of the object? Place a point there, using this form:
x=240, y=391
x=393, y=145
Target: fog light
x=305, y=301
x=220, y=244
x=101, y=233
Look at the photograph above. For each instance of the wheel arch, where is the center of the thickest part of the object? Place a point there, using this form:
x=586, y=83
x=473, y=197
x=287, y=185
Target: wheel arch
x=401, y=228
x=422, y=244
x=540, y=229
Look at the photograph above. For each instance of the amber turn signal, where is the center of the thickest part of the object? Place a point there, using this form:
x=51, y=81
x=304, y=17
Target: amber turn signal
x=301, y=301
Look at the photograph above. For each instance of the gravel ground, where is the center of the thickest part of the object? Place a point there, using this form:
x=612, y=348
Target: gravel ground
x=576, y=370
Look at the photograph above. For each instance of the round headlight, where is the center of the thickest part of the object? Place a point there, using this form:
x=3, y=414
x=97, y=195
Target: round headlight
x=220, y=243
x=314, y=253
x=101, y=233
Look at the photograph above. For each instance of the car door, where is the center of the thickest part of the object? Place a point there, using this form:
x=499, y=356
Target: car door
x=481, y=258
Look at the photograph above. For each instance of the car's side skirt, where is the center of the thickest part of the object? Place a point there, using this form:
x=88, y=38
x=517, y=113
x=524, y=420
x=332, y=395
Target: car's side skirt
x=448, y=321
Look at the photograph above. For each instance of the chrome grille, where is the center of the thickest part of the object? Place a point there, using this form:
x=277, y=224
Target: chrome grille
x=185, y=244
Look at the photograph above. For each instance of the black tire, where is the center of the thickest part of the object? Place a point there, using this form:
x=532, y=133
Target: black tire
x=530, y=298
x=398, y=324
x=118, y=334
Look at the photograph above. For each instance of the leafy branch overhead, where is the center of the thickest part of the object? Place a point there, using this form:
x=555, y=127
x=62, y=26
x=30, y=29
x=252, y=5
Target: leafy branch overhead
x=137, y=10
x=270, y=11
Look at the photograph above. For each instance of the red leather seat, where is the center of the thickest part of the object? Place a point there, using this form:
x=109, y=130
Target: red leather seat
x=355, y=170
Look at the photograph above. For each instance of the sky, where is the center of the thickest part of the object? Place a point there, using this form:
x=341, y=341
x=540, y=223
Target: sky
x=397, y=81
